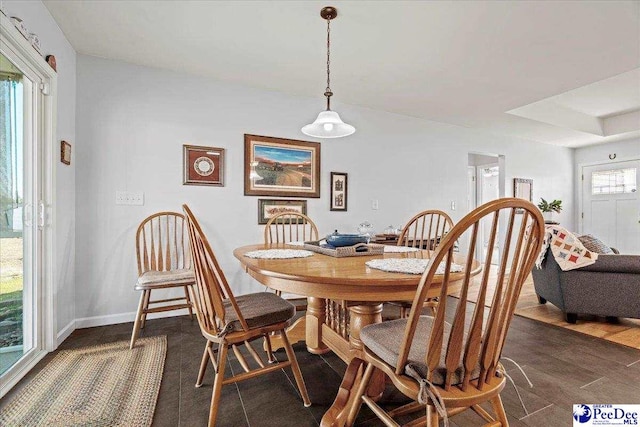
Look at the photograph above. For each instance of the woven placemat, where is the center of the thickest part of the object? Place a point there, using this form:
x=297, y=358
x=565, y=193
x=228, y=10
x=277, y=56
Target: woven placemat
x=279, y=254
x=408, y=265
x=103, y=385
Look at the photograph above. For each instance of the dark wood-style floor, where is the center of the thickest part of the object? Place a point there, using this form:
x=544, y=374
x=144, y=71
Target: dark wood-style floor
x=565, y=367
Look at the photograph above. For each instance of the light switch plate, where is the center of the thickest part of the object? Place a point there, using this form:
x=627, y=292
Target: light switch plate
x=135, y=198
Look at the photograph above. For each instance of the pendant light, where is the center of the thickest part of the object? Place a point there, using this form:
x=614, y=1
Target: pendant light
x=328, y=124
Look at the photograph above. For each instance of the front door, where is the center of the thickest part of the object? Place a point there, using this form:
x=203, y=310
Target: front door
x=611, y=204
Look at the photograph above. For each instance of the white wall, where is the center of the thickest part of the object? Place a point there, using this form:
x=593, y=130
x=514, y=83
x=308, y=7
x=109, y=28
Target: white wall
x=482, y=160
x=133, y=121
x=38, y=20
x=623, y=150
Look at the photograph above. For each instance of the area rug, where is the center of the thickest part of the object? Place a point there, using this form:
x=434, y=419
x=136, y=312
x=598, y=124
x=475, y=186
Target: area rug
x=103, y=385
x=625, y=332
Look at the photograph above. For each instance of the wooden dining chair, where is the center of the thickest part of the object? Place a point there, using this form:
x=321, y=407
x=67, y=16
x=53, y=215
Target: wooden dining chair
x=290, y=227
x=230, y=322
x=451, y=367
x=163, y=262
x=285, y=228
x=424, y=231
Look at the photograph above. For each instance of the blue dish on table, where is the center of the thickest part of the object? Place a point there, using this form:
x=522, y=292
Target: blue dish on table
x=339, y=240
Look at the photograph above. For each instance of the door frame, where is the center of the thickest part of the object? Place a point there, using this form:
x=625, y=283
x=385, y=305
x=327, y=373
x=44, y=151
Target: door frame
x=580, y=185
x=15, y=47
x=501, y=160
x=472, y=187
x=480, y=181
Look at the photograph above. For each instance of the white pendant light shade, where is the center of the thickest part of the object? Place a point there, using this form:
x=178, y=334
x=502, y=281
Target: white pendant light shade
x=328, y=125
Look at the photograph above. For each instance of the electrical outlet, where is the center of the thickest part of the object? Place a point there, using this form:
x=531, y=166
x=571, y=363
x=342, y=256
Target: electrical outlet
x=374, y=204
x=130, y=198
x=453, y=206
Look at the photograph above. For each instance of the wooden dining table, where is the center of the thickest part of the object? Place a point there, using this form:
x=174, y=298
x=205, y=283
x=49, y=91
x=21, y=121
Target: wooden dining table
x=343, y=294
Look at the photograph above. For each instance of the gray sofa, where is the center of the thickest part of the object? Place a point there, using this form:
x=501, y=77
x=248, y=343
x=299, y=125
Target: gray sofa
x=610, y=287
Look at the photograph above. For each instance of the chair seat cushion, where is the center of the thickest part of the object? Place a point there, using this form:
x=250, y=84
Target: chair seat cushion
x=259, y=309
x=156, y=278
x=385, y=339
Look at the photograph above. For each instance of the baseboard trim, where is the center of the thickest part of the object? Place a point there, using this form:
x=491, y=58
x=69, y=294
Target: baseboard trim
x=65, y=332
x=114, y=319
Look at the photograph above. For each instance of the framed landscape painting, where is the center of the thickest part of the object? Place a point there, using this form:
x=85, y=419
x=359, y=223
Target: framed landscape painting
x=268, y=208
x=281, y=167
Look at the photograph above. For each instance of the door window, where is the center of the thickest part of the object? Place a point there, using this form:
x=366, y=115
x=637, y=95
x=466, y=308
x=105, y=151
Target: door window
x=614, y=181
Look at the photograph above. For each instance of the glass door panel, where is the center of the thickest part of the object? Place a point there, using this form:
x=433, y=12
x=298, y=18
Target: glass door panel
x=17, y=293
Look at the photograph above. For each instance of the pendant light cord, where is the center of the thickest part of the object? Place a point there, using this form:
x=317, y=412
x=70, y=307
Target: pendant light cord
x=328, y=92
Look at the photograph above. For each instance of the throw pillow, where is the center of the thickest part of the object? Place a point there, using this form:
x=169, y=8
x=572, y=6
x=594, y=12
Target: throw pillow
x=594, y=244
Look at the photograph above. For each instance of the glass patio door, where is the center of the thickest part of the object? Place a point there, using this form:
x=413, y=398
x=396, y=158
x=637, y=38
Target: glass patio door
x=19, y=228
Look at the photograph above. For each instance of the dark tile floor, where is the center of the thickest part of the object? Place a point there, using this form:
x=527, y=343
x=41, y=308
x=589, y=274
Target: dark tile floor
x=565, y=368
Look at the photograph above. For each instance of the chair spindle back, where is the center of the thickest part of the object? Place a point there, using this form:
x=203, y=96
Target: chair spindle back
x=211, y=287
x=480, y=345
x=162, y=243
x=290, y=227
x=425, y=230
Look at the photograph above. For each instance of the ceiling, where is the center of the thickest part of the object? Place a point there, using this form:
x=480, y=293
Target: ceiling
x=607, y=109
x=469, y=63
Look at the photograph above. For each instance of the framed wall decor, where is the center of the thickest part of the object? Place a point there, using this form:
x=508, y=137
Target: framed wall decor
x=65, y=152
x=338, y=191
x=267, y=208
x=523, y=189
x=203, y=165
x=281, y=167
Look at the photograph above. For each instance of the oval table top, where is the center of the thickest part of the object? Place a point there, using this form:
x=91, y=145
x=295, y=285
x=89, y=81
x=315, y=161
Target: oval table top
x=346, y=278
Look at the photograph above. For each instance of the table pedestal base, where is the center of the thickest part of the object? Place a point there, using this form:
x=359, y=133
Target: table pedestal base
x=350, y=349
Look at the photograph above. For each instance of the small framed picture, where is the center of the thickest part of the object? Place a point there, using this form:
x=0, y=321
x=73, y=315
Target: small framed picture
x=203, y=165
x=65, y=152
x=338, y=191
x=267, y=208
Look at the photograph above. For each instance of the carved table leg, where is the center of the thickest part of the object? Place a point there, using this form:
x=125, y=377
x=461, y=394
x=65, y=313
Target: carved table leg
x=314, y=319
x=361, y=316
x=336, y=415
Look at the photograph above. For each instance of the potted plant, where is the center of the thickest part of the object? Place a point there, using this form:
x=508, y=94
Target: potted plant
x=548, y=208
